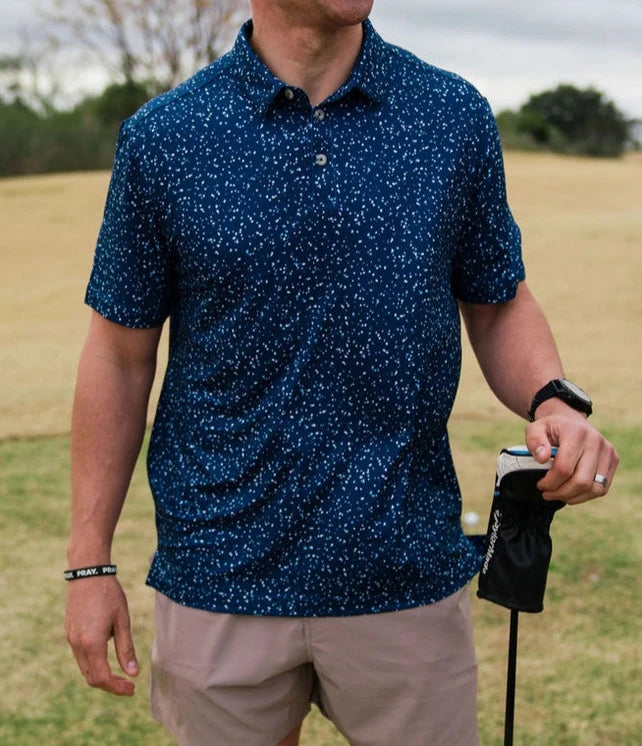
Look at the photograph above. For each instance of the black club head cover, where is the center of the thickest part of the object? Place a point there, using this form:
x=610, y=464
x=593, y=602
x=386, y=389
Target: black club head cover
x=518, y=542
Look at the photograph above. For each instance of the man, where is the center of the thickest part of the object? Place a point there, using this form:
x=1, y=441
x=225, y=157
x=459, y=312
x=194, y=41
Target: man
x=311, y=211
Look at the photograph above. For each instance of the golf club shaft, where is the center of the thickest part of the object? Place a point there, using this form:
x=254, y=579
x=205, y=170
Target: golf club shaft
x=510, y=679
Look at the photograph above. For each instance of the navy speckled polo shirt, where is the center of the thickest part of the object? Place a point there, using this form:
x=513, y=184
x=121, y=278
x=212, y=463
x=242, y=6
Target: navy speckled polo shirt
x=310, y=261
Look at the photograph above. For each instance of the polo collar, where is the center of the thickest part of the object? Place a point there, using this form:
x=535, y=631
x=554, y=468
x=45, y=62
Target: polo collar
x=368, y=77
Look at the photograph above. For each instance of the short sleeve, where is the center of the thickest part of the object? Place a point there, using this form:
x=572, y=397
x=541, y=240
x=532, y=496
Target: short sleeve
x=488, y=264
x=130, y=278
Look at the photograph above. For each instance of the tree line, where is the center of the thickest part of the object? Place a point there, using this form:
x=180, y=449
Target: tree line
x=145, y=46
x=569, y=120
x=46, y=140
x=148, y=46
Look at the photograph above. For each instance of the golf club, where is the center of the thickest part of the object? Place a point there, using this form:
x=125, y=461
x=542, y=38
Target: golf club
x=517, y=551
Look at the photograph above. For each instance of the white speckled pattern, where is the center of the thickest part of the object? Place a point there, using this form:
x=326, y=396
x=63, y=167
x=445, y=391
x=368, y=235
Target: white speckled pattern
x=309, y=260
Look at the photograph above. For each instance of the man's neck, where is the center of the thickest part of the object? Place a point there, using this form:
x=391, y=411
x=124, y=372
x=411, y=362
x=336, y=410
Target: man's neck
x=317, y=60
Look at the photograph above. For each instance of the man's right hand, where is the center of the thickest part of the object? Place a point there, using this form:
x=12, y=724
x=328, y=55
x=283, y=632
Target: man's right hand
x=97, y=611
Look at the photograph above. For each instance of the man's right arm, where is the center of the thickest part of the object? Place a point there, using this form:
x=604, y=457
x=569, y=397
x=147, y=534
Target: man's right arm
x=115, y=376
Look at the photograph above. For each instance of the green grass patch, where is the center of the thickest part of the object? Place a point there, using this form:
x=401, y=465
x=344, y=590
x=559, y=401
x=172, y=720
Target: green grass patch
x=579, y=662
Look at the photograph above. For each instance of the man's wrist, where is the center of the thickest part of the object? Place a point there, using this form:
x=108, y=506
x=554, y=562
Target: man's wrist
x=556, y=406
x=564, y=390
x=88, y=554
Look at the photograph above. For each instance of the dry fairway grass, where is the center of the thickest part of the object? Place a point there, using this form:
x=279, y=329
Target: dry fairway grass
x=48, y=226
x=582, y=222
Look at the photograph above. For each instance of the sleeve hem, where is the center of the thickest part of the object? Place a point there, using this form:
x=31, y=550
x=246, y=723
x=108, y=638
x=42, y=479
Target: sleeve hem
x=109, y=310
x=501, y=295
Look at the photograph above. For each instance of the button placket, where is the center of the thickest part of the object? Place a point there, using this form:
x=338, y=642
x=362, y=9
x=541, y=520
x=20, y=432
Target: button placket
x=321, y=158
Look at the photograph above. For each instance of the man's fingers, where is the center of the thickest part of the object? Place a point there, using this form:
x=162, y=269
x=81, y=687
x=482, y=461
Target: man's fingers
x=96, y=670
x=582, y=454
x=81, y=658
x=577, y=483
x=540, y=440
x=601, y=479
x=96, y=612
x=574, y=487
x=124, y=644
x=571, y=472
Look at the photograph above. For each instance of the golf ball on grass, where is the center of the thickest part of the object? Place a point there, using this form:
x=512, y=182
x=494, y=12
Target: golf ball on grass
x=471, y=519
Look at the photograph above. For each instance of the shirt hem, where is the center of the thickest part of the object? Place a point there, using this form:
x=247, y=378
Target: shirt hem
x=272, y=605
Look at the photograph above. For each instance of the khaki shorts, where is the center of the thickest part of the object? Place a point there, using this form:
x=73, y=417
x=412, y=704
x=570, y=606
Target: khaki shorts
x=407, y=677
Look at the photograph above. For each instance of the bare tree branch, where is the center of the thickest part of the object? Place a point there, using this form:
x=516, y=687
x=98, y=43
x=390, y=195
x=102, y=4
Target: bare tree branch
x=151, y=41
x=21, y=74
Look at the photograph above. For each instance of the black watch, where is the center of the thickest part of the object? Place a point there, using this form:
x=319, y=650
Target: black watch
x=568, y=392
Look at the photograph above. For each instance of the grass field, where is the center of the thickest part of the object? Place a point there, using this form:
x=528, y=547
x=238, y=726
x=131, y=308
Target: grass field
x=580, y=661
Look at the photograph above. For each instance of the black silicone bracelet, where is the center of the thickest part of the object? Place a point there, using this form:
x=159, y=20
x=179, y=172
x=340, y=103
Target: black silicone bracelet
x=90, y=572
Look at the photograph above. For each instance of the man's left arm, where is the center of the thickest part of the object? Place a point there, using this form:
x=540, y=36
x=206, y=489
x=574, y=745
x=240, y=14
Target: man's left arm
x=517, y=354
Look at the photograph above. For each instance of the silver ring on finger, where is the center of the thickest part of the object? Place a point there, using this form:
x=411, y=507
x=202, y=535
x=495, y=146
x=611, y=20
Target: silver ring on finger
x=601, y=480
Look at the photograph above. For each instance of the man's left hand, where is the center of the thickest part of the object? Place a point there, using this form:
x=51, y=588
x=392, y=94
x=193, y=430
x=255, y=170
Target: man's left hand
x=584, y=460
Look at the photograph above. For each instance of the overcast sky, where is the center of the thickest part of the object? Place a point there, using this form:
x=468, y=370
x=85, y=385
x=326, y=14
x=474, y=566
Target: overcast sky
x=507, y=48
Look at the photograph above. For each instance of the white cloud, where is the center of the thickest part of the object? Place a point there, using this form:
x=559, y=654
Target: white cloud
x=512, y=49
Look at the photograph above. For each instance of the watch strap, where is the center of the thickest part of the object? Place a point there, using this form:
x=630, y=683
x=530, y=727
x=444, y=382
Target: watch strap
x=557, y=388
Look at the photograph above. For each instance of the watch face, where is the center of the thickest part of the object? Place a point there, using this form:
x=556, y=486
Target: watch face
x=576, y=390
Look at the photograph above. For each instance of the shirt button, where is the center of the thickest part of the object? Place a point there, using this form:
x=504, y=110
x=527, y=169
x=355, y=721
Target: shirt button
x=321, y=159
x=289, y=94
x=319, y=115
